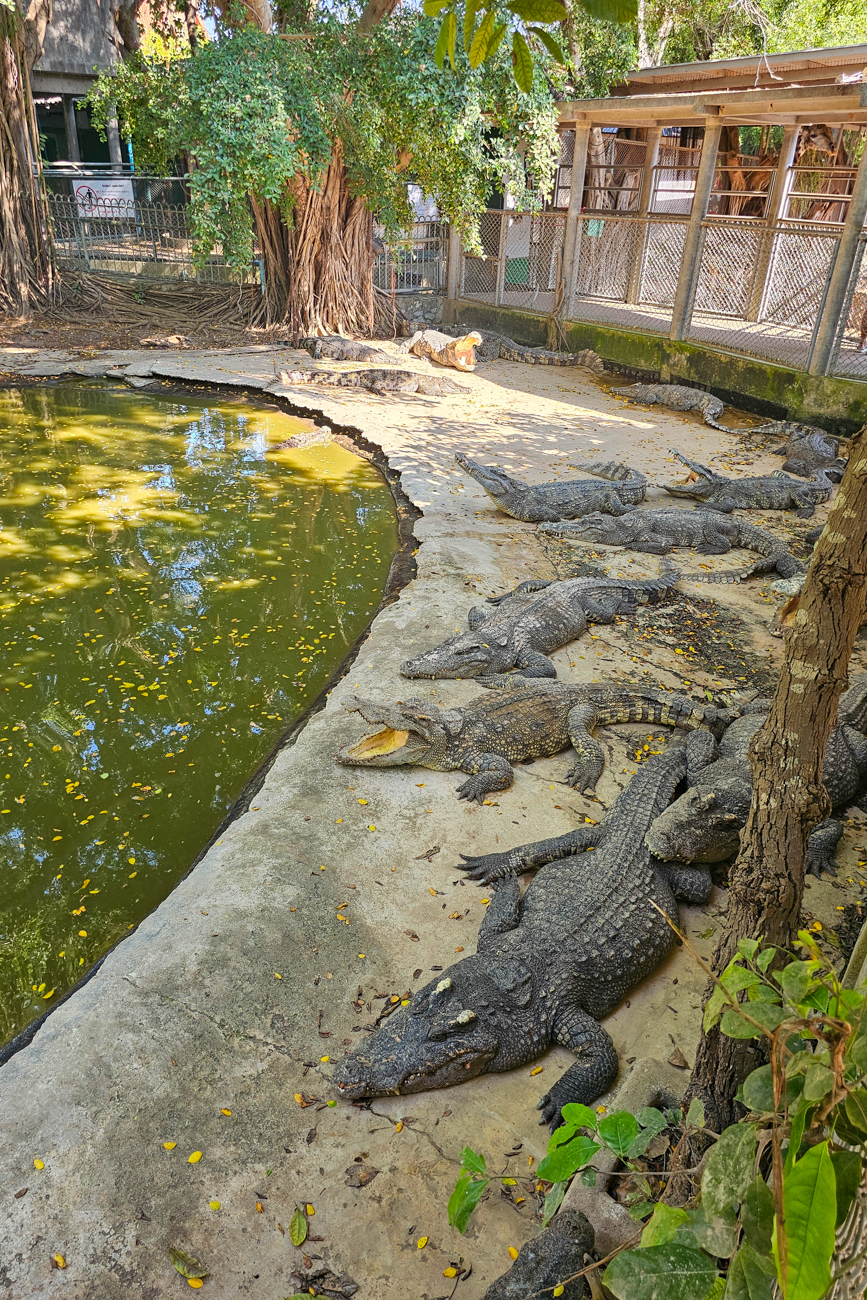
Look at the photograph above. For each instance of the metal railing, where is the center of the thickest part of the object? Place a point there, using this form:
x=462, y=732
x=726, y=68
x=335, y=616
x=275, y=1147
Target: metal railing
x=416, y=264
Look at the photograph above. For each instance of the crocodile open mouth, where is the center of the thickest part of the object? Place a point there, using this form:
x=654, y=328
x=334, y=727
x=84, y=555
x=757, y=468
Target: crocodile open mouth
x=379, y=743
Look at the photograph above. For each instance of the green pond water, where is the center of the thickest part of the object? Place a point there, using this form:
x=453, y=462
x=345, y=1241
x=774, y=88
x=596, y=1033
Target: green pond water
x=174, y=591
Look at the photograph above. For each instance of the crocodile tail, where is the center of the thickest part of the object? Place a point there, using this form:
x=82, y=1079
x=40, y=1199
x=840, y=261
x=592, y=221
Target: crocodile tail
x=725, y=575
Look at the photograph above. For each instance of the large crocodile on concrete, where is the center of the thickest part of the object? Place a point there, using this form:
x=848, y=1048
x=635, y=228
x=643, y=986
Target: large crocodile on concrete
x=770, y=492
x=526, y=720
x=550, y=1263
x=810, y=449
x=496, y=347
x=548, y=966
x=535, y=503
x=659, y=531
x=679, y=398
x=537, y=617
x=338, y=348
x=704, y=824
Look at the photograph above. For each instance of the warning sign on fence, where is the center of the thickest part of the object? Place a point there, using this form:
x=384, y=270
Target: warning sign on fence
x=107, y=197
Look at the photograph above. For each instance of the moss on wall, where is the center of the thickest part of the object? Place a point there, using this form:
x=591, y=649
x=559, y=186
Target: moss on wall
x=839, y=405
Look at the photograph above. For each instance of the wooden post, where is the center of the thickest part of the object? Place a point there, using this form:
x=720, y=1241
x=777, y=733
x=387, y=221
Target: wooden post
x=572, y=229
x=453, y=269
x=681, y=316
x=841, y=270
x=651, y=157
x=780, y=185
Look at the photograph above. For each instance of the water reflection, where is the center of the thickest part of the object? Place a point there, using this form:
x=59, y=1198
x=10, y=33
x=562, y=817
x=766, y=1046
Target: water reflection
x=172, y=595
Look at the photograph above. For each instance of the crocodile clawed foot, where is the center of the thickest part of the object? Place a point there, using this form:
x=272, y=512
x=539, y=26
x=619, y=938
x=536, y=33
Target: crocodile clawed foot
x=550, y=1109
x=487, y=869
x=578, y=778
x=820, y=864
x=473, y=789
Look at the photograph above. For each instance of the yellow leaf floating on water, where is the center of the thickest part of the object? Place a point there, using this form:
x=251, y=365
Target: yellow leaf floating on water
x=170, y=1146
x=59, y=1261
x=38, y=1164
x=513, y=1252
x=194, y=1158
x=421, y=1243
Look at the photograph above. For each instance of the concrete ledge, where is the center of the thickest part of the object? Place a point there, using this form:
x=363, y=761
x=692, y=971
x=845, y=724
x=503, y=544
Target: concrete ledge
x=763, y=387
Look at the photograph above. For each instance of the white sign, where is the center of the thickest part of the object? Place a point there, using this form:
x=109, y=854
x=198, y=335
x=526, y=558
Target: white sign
x=106, y=197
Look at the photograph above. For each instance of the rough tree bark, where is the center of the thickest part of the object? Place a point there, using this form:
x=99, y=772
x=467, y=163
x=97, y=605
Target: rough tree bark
x=25, y=264
x=789, y=798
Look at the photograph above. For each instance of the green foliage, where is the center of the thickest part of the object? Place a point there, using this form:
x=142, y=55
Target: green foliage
x=256, y=116
x=809, y=1208
x=669, y=1272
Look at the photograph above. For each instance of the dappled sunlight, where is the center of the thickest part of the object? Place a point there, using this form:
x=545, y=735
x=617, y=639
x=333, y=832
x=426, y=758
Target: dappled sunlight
x=172, y=597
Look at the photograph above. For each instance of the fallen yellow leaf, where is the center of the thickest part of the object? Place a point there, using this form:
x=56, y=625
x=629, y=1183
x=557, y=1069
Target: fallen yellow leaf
x=538, y=1070
x=59, y=1261
x=310, y=1210
x=225, y=1111
x=38, y=1164
x=371, y=828
x=398, y=1128
x=325, y=1058
x=421, y=1243
x=194, y=1158
x=558, y=1290
x=259, y=1209
x=215, y=1205
x=450, y=1272
x=513, y=1252
x=298, y=1098
x=170, y=1146
x=362, y=801
x=195, y=1282
x=277, y=977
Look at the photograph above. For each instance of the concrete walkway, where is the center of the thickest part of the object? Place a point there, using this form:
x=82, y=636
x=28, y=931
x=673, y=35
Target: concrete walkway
x=274, y=952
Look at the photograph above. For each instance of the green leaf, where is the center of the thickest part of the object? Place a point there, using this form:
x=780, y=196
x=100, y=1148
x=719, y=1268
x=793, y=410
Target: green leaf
x=618, y=1131
x=481, y=40
x=857, y=1053
x=464, y=1200
x=798, y=1119
x=539, y=11
x=748, y=948
x=553, y=1201
x=473, y=1162
x=669, y=1272
x=734, y=978
x=611, y=11
x=472, y=8
x=716, y=1003
x=522, y=62
x=695, y=1114
x=810, y=1209
x=186, y=1265
x=550, y=44
x=749, y=1277
x=757, y=1215
x=715, y=1233
x=758, y=1090
x=848, y=1172
x=729, y=1169
x=567, y=1160
x=651, y=1118
x=733, y=1024
x=494, y=43
x=579, y=1115
x=298, y=1227
x=856, y=1109
x=818, y=1082
x=641, y=1210
x=765, y=957
x=662, y=1225
x=817, y=999
x=446, y=40
x=794, y=980
x=434, y=7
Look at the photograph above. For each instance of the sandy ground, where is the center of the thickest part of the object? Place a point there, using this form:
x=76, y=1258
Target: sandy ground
x=351, y=902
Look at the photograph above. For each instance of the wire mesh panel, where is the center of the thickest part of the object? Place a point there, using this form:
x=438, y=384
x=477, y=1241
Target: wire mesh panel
x=532, y=252
x=800, y=261
x=674, y=179
x=416, y=264
x=627, y=270
x=607, y=251
x=728, y=262
x=850, y=349
x=480, y=273
x=663, y=254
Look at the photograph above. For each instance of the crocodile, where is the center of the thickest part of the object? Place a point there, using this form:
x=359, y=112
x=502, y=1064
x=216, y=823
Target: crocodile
x=443, y=349
x=679, y=398
x=770, y=492
x=337, y=348
x=540, y=502
x=704, y=824
x=658, y=531
x=537, y=617
x=548, y=966
x=550, y=1263
x=496, y=347
x=811, y=450
x=377, y=380
x=526, y=720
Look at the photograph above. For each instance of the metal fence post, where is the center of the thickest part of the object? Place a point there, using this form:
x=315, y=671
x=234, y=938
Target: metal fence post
x=501, y=260
x=838, y=279
x=781, y=184
x=690, y=268
x=572, y=227
x=651, y=157
x=453, y=267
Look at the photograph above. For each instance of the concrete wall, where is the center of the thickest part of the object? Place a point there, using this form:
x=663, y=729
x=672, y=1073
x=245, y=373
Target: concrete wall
x=839, y=405
x=80, y=39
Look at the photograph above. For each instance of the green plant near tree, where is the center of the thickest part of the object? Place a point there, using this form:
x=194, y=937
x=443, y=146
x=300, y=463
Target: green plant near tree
x=776, y=1186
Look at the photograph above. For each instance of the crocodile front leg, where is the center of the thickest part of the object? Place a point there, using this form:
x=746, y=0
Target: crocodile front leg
x=490, y=772
x=476, y=617
x=502, y=914
x=589, y=756
x=689, y=884
x=822, y=845
x=701, y=749
x=592, y=1074
x=806, y=508
x=533, y=663
x=724, y=505
x=522, y=589
x=527, y=857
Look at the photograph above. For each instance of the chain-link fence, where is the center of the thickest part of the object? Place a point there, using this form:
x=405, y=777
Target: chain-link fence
x=416, y=264
x=849, y=358
x=520, y=263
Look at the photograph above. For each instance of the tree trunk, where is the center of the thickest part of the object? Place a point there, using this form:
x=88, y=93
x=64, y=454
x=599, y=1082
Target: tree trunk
x=318, y=267
x=789, y=798
x=25, y=264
